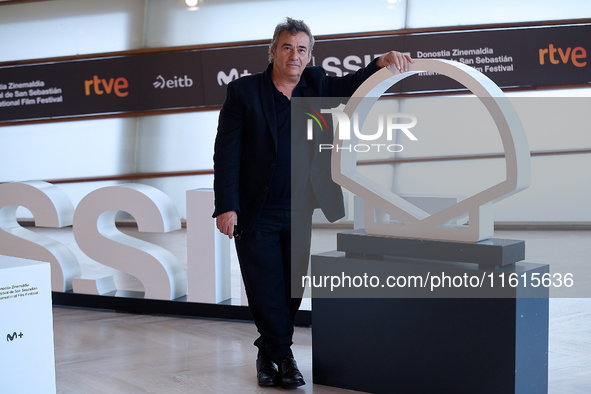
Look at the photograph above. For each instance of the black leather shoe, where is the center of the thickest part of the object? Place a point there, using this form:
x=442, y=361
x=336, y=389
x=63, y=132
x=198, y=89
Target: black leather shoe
x=291, y=376
x=267, y=374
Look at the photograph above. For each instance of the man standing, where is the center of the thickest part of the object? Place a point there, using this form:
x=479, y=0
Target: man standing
x=252, y=185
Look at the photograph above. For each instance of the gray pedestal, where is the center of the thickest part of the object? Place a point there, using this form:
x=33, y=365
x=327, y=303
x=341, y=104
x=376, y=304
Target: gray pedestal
x=396, y=340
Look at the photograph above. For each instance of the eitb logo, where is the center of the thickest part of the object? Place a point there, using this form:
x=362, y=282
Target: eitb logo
x=386, y=122
x=174, y=82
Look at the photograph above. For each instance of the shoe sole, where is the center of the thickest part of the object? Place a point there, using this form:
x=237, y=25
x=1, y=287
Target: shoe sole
x=293, y=386
x=271, y=384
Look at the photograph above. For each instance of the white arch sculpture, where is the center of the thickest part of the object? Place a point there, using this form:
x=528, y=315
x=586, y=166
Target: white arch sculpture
x=414, y=222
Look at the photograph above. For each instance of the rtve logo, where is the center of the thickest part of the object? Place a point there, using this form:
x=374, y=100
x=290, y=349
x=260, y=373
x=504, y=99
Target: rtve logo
x=102, y=86
x=564, y=55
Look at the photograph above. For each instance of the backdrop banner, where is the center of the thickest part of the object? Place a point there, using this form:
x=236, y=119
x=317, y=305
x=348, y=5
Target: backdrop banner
x=514, y=57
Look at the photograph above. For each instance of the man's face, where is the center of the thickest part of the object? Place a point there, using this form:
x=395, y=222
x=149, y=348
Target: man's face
x=291, y=55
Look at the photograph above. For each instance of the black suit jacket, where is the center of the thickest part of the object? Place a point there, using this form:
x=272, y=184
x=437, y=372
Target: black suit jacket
x=245, y=145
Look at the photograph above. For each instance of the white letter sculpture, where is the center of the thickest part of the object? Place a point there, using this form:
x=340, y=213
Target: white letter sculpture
x=162, y=274
x=415, y=222
x=51, y=208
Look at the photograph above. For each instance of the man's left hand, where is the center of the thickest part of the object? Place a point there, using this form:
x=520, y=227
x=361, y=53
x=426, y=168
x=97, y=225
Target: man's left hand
x=394, y=58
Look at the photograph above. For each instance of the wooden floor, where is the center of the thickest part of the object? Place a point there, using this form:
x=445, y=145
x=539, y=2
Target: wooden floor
x=108, y=352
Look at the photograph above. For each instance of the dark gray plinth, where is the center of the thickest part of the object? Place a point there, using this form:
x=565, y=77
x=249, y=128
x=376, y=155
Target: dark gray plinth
x=429, y=345
x=492, y=252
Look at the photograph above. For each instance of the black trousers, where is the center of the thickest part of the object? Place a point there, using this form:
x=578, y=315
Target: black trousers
x=274, y=253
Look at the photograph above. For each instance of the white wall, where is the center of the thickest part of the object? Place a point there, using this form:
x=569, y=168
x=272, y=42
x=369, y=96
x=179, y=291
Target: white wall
x=69, y=27
x=185, y=141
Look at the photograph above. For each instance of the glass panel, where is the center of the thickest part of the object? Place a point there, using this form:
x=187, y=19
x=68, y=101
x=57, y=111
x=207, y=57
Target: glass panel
x=432, y=13
x=176, y=188
x=67, y=27
x=449, y=126
x=555, y=123
x=177, y=142
x=448, y=178
x=559, y=192
x=172, y=23
x=67, y=150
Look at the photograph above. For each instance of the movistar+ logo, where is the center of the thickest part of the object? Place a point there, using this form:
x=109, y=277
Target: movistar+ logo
x=10, y=338
x=224, y=79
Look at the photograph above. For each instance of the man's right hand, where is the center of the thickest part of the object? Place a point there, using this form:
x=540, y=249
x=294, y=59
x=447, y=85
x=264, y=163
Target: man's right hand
x=226, y=222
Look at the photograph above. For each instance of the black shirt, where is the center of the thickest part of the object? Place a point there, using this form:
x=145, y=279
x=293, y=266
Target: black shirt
x=279, y=195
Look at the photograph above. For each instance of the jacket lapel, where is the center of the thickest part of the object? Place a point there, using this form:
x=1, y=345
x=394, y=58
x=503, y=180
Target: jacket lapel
x=268, y=102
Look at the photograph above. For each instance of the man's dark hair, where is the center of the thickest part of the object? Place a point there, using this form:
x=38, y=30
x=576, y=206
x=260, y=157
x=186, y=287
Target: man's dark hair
x=294, y=27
